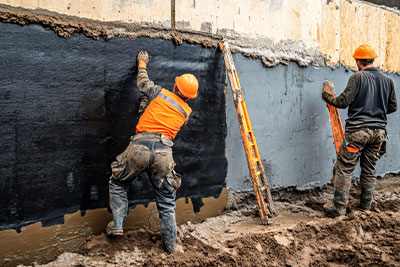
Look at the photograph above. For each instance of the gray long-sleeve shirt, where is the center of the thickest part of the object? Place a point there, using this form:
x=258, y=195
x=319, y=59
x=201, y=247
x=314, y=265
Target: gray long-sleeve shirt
x=147, y=86
x=370, y=96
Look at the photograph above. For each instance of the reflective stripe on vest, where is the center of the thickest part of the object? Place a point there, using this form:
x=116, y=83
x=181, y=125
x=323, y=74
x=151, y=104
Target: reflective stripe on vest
x=174, y=103
x=165, y=114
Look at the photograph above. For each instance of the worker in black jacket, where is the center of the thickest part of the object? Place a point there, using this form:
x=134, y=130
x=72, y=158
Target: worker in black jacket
x=370, y=96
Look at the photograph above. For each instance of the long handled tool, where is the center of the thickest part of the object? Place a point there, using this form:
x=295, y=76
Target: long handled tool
x=258, y=177
x=334, y=116
x=336, y=123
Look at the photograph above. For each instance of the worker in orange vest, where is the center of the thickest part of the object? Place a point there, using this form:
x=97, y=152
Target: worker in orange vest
x=150, y=150
x=370, y=96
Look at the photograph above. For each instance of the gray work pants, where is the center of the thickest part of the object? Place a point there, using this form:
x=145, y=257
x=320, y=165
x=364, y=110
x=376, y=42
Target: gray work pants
x=363, y=145
x=150, y=152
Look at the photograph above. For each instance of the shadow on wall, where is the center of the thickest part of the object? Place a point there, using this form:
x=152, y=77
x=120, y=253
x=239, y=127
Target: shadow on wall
x=68, y=108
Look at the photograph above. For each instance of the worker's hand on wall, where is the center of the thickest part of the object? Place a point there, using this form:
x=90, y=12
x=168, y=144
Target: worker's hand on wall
x=143, y=59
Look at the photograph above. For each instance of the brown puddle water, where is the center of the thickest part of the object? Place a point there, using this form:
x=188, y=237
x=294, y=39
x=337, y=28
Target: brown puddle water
x=43, y=244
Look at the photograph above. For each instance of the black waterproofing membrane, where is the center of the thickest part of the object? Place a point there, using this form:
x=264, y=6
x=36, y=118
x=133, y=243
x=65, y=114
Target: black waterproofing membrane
x=69, y=106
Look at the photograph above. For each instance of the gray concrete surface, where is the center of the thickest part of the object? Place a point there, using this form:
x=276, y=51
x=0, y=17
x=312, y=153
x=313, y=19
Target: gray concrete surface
x=291, y=125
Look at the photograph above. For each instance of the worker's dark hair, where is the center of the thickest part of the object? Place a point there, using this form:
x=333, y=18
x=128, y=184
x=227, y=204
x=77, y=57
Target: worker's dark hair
x=178, y=93
x=366, y=62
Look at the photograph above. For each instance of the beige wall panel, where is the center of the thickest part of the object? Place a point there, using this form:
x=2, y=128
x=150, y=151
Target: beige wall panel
x=380, y=61
x=329, y=31
x=360, y=23
x=156, y=11
x=392, y=49
x=275, y=19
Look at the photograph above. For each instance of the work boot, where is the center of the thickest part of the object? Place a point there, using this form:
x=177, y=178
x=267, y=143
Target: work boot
x=119, y=207
x=337, y=207
x=366, y=198
x=111, y=231
x=333, y=210
x=168, y=233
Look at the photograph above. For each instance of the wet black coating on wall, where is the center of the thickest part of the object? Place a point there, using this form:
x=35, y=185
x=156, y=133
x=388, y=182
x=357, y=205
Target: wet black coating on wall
x=68, y=108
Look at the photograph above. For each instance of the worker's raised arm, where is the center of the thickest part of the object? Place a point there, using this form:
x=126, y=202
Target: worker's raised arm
x=392, y=107
x=345, y=98
x=144, y=84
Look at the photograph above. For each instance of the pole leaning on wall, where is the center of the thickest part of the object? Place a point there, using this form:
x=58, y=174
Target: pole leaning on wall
x=336, y=123
x=334, y=117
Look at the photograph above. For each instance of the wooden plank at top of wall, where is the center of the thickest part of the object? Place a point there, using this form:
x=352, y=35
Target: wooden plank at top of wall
x=173, y=14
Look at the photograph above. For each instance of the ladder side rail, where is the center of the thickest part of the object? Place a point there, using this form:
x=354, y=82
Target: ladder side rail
x=257, y=156
x=245, y=129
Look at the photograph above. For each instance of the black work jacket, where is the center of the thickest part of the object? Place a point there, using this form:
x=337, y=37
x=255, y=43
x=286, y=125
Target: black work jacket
x=370, y=96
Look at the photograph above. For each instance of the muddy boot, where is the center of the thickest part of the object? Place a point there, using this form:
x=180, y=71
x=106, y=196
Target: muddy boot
x=366, y=197
x=119, y=207
x=112, y=231
x=337, y=207
x=168, y=233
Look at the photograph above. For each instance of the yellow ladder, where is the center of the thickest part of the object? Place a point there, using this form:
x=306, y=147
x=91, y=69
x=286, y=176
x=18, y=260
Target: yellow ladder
x=258, y=176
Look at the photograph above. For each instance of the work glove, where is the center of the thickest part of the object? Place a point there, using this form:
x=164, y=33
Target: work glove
x=143, y=59
x=328, y=91
x=327, y=97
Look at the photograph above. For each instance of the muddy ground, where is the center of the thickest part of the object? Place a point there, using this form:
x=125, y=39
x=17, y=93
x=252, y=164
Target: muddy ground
x=298, y=235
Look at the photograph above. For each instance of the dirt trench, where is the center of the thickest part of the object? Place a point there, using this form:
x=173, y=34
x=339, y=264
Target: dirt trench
x=298, y=235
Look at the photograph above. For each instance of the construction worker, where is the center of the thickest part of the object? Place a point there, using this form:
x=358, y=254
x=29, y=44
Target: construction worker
x=370, y=96
x=150, y=150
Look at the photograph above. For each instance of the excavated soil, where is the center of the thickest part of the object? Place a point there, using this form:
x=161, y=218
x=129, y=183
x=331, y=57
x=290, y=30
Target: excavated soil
x=299, y=234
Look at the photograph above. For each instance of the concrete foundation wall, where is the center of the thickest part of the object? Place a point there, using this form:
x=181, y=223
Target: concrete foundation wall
x=291, y=125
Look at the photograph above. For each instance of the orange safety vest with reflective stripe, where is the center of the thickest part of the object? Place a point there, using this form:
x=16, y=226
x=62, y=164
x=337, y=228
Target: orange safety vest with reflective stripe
x=165, y=115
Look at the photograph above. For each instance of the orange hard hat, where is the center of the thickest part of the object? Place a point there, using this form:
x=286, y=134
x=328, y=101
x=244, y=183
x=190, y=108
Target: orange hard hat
x=364, y=51
x=188, y=85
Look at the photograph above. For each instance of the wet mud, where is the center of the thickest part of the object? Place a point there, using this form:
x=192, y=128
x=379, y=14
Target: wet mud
x=297, y=235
